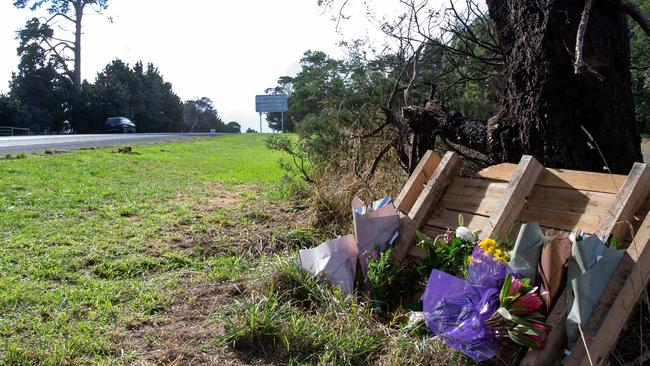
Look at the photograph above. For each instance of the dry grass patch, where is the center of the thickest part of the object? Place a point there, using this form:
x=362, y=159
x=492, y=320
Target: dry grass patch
x=243, y=224
x=180, y=335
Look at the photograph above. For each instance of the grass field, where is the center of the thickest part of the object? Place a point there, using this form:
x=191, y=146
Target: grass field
x=87, y=239
x=177, y=253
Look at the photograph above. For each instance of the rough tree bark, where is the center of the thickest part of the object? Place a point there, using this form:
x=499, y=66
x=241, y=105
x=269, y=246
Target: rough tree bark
x=546, y=104
x=76, y=76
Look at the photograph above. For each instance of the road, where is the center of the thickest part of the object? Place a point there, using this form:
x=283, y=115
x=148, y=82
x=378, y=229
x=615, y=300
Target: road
x=18, y=144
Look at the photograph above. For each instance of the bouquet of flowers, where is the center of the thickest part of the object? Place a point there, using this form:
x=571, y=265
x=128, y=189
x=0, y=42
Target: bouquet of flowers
x=449, y=252
x=518, y=316
x=474, y=314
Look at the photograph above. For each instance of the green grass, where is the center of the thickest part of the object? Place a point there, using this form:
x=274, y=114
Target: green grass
x=76, y=268
x=96, y=244
x=293, y=318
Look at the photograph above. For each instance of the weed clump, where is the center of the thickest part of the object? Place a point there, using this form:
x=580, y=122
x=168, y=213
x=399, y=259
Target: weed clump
x=127, y=150
x=296, y=318
x=18, y=156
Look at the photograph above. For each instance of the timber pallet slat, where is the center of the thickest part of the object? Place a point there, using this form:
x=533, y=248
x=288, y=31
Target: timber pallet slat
x=505, y=195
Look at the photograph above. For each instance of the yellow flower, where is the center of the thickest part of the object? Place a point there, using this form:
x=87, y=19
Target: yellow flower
x=488, y=244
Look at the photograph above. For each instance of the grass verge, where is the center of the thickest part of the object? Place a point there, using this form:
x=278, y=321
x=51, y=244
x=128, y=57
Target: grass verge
x=174, y=253
x=88, y=246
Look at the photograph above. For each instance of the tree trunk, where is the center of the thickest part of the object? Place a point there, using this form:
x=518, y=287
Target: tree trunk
x=76, y=73
x=546, y=105
x=76, y=116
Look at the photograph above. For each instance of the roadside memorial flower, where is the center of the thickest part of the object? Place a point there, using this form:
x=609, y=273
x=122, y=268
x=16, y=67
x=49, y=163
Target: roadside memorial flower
x=539, y=340
x=473, y=315
x=449, y=236
x=515, y=287
x=527, y=304
x=465, y=234
x=492, y=247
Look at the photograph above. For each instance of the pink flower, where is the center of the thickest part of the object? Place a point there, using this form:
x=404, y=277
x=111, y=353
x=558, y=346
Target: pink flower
x=541, y=327
x=539, y=340
x=515, y=287
x=448, y=237
x=526, y=304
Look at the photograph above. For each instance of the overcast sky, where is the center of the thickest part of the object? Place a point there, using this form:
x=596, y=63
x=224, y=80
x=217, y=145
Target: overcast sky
x=228, y=51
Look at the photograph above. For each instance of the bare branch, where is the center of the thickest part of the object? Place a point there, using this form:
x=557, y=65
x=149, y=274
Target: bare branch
x=408, y=92
x=63, y=41
x=373, y=132
x=636, y=13
x=59, y=56
x=640, y=68
x=50, y=19
x=579, y=65
x=375, y=163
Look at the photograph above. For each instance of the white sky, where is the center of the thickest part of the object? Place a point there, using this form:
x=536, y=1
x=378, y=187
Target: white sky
x=228, y=51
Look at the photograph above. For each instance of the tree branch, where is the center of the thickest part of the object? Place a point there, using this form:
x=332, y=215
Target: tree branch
x=408, y=92
x=63, y=40
x=455, y=127
x=59, y=15
x=59, y=57
x=636, y=13
x=579, y=64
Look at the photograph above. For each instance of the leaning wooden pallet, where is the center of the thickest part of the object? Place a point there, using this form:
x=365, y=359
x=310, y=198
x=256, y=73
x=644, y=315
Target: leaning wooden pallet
x=505, y=195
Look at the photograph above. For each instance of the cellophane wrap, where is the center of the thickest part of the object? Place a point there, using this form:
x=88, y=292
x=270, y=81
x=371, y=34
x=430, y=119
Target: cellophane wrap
x=456, y=310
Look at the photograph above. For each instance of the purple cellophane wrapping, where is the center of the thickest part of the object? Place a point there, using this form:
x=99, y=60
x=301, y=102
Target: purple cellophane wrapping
x=456, y=310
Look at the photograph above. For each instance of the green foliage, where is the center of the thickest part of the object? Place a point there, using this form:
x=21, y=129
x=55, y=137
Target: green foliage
x=389, y=284
x=294, y=284
x=300, y=165
x=517, y=315
x=640, y=57
x=8, y=109
x=338, y=334
x=329, y=101
x=233, y=127
x=60, y=6
x=39, y=94
x=200, y=116
x=274, y=119
x=45, y=90
x=381, y=276
x=141, y=95
x=446, y=254
x=14, y=157
x=300, y=320
x=462, y=80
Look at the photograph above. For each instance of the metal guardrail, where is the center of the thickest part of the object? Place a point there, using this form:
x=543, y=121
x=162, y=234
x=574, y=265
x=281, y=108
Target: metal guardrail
x=11, y=131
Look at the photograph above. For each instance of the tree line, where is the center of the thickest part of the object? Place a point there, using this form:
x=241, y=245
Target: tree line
x=464, y=84
x=47, y=89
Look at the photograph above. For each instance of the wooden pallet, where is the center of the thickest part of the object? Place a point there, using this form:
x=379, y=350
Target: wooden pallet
x=506, y=195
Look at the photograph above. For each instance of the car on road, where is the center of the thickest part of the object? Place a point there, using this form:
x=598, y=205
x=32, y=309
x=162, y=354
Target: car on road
x=119, y=124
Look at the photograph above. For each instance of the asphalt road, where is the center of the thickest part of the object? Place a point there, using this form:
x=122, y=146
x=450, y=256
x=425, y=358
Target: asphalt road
x=18, y=144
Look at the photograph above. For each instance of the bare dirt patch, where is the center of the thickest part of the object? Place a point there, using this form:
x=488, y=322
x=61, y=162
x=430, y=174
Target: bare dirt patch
x=223, y=198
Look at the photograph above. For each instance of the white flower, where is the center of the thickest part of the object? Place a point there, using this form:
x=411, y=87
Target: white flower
x=465, y=234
